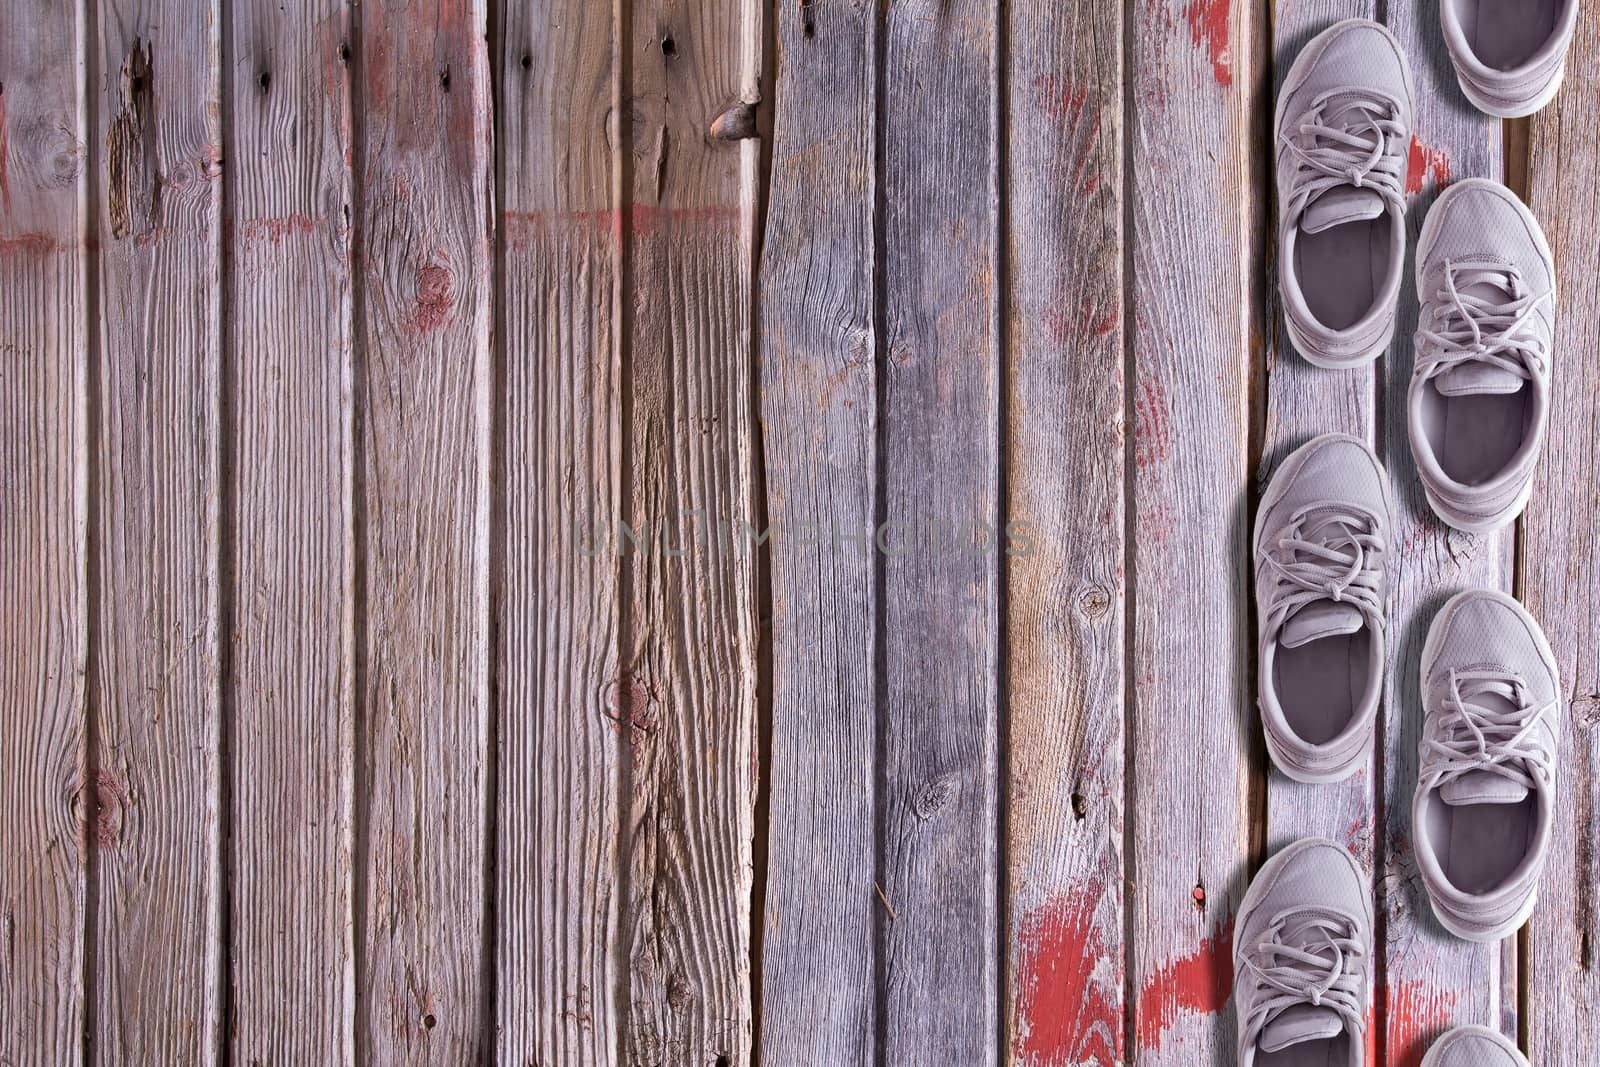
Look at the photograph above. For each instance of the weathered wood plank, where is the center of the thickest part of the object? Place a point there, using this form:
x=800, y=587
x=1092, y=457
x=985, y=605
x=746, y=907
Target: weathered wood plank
x=690, y=647
x=291, y=631
x=423, y=429
x=1560, y=572
x=1064, y=457
x=48, y=807
x=818, y=343
x=1192, y=216
x=1302, y=402
x=565, y=717
x=938, y=696
x=1432, y=979
x=154, y=972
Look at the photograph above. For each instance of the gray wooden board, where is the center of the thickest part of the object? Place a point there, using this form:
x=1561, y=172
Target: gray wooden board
x=154, y=687
x=1064, y=457
x=422, y=399
x=49, y=806
x=818, y=338
x=1560, y=573
x=291, y=687
x=564, y=714
x=940, y=580
x=690, y=647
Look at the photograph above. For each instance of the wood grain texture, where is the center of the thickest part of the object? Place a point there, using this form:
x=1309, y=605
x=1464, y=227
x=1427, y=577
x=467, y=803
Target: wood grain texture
x=690, y=649
x=422, y=436
x=1191, y=721
x=1432, y=980
x=1064, y=457
x=818, y=343
x=565, y=715
x=154, y=971
x=291, y=688
x=47, y=804
x=939, y=439
x=1560, y=573
x=1304, y=401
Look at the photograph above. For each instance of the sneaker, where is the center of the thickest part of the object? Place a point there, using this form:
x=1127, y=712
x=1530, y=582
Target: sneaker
x=1485, y=797
x=1321, y=533
x=1301, y=977
x=1480, y=390
x=1344, y=137
x=1509, y=58
x=1473, y=1046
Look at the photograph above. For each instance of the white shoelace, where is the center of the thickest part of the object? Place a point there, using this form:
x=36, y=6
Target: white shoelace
x=1476, y=737
x=1309, y=956
x=1343, y=563
x=1360, y=151
x=1474, y=328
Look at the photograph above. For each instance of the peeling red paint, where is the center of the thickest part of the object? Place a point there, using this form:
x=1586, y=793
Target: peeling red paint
x=276, y=229
x=1417, y=1013
x=1426, y=162
x=26, y=243
x=1197, y=984
x=1208, y=25
x=1067, y=1012
x=1152, y=426
x=435, y=297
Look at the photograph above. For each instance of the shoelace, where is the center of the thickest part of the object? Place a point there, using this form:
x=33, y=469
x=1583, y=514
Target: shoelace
x=1359, y=151
x=1475, y=737
x=1308, y=957
x=1473, y=328
x=1343, y=563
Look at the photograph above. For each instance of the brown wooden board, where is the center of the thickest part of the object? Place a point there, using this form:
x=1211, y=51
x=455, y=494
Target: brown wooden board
x=422, y=409
x=289, y=519
x=49, y=806
x=155, y=947
x=690, y=651
x=818, y=339
x=1432, y=980
x=1560, y=572
x=1063, y=448
x=564, y=714
x=940, y=580
x=1191, y=788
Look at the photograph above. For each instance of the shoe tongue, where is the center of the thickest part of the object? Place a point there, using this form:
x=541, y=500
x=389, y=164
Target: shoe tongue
x=1318, y=619
x=1339, y=205
x=1474, y=377
x=1482, y=787
x=1299, y=1024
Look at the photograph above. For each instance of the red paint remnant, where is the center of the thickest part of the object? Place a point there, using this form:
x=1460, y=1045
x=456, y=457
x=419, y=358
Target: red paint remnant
x=102, y=811
x=1197, y=984
x=632, y=705
x=1067, y=1004
x=435, y=297
x=24, y=244
x=276, y=229
x=1426, y=162
x=1418, y=1013
x=1152, y=425
x=1208, y=25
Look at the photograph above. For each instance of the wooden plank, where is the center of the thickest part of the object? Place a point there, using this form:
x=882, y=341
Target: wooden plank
x=292, y=634
x=1560, y=578
x=1432, y=980
x=49, y=809
x=939, y=434
x=690, y=648
x=1064, y=459
x=423, y=430
x=1192, y=216
x=818, y=342
x=154, y=685
x=564, y=718
x=1302, y=402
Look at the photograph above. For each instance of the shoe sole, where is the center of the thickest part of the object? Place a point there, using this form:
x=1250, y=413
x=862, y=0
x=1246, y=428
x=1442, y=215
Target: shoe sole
x=1269, y=496
x=1425, y=239
x=1500, y=111
x=1297, y=72
x=1430, y=653
x=1432, y=1058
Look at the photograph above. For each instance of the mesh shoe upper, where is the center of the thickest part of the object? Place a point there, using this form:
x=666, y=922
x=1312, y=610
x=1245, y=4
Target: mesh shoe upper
x=1473, y=1046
